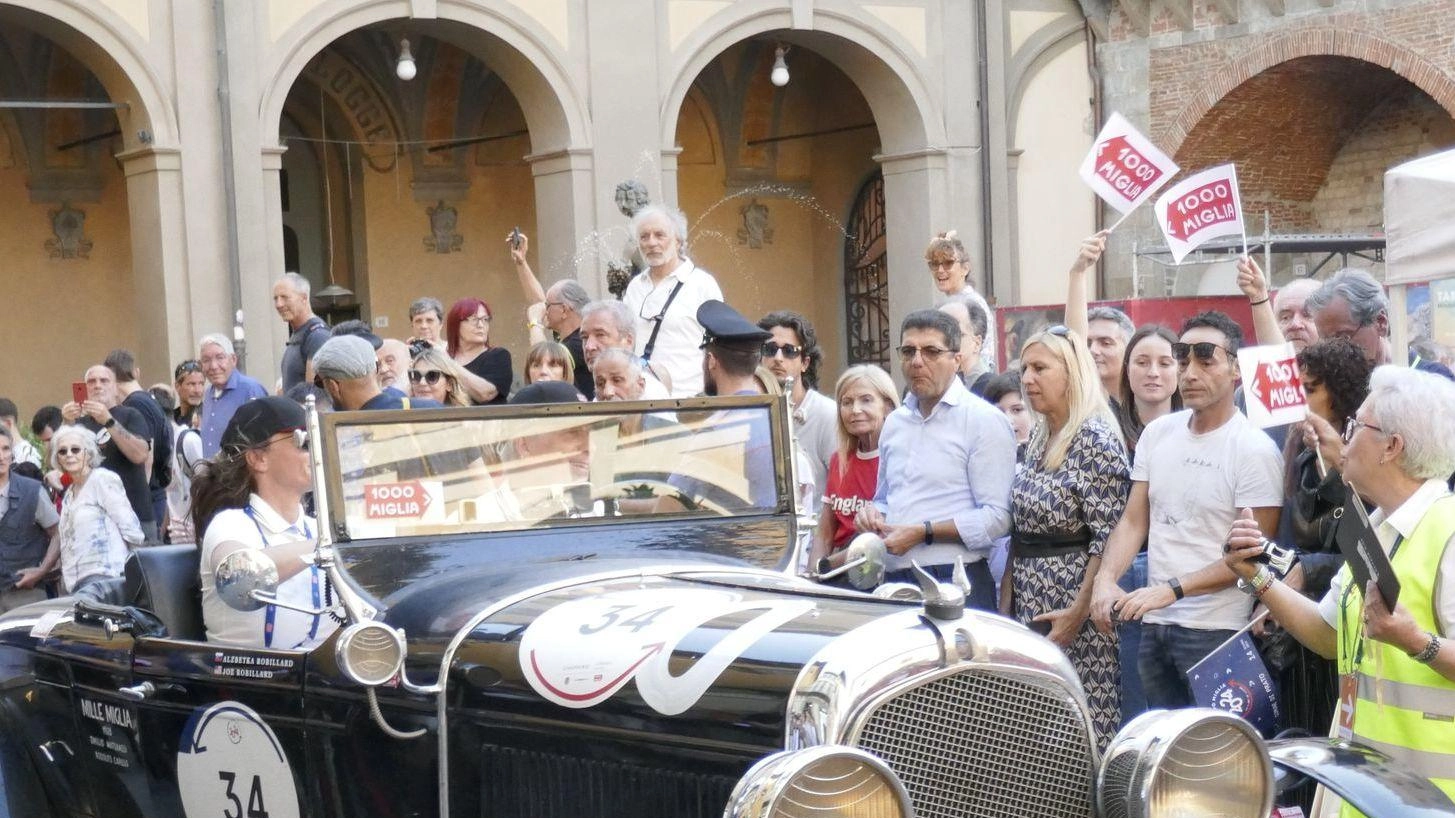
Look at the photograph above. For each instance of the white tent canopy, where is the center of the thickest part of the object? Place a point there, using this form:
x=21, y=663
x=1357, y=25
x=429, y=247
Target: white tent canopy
x=1419, y=219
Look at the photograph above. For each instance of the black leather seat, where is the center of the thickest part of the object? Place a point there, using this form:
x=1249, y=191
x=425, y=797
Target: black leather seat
x=163, y=579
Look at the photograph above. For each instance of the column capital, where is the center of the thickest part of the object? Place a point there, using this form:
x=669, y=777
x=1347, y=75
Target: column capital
x=911, y=161
x=562, y=161
x=150, y=159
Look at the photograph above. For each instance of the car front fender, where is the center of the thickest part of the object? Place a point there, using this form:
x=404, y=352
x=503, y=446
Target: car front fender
x=21, y=792
x=1364, y=777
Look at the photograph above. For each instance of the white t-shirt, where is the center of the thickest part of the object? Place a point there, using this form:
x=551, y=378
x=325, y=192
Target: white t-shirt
x=1197, y=485
x=678, y=344
x=260, y=526
x=816, y=425
x=1401, y=524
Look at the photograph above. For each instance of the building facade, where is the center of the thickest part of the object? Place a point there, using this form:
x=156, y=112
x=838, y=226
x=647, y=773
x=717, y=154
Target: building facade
x=1313, y=99
x=164, y=161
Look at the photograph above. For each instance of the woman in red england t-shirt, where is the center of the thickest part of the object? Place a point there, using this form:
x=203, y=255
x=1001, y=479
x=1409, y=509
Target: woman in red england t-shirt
x=866, y=396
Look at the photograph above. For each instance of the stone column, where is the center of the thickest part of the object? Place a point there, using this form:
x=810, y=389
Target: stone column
x=915, y=196
x=159, y=259
x=565, y=238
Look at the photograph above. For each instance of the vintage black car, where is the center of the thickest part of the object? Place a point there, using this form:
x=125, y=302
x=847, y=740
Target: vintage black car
x=590, y=610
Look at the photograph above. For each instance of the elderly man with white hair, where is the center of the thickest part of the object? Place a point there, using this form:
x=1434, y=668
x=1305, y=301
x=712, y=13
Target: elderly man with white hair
x=227, y=388
x=1398, y=660
x=307, y=332
x=608, y=324
x=664, y=298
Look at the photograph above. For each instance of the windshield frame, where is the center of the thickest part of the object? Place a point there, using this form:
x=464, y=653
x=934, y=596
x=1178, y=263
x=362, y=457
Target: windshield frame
x=331, y=479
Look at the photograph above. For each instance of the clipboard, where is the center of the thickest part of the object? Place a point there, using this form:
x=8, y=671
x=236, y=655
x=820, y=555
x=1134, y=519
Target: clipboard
x=1361, y=548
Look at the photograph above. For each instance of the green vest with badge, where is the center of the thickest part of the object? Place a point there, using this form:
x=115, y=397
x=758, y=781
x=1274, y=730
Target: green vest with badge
x=1401, y=707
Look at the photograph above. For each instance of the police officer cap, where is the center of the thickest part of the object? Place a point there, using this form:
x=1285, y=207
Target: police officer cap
x=724, y=326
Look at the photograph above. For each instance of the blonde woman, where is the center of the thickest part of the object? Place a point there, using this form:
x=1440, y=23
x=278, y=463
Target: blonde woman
x=98, y=526
x=1067, y=497
x=865, y=396
x=435, y=375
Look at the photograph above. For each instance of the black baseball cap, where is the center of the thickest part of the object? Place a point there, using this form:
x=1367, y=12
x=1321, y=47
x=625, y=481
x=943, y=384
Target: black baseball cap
x=258, y=420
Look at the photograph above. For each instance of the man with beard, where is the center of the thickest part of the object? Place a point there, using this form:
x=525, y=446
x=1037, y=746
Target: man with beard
x=664, y=299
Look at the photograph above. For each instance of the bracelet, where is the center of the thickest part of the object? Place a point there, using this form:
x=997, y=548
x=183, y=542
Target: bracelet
x=929, y=533
x=1258, y=303
x=531, y=325
x=1432, y=649
x=1176, y=588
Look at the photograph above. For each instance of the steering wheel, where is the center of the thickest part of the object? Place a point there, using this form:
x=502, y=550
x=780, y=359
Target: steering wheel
x=619, y=488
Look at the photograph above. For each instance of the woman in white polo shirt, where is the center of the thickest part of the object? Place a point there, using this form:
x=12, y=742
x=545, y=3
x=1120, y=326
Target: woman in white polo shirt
x=251, y=497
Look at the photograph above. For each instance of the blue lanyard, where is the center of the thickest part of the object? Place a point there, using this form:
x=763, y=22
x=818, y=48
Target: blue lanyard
x=271, y=616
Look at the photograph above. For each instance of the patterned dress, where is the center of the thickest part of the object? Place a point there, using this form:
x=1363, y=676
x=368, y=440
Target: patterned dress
x=1088, y=492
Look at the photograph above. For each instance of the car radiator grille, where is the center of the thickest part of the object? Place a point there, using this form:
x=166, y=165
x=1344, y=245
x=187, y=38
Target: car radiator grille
x=518, y=783
x=986, y=745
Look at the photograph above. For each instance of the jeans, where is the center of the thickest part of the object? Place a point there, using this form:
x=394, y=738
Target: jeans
x=1168, y=651
x=982, y=584
x=1134, y=701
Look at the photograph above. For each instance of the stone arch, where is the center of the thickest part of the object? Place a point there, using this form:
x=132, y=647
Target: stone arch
x=1313, y=42
x=113, y=52
x=880, y=64
x=515, y=48
x=1044, y=46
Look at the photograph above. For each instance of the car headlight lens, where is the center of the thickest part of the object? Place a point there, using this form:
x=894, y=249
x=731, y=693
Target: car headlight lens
x=370, y=653
x=817, y=782
x=1194, y=762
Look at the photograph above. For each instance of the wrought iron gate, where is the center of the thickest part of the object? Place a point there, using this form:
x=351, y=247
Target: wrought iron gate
x=866, y=277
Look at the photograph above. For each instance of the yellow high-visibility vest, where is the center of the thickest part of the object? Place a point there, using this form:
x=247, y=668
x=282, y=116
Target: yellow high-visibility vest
x=1403, y=708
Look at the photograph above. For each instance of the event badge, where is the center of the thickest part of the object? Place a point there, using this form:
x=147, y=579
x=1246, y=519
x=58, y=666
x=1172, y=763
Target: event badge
x=1348, y=692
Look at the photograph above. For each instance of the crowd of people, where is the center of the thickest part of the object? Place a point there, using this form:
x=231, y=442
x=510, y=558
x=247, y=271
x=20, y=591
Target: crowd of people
x=1105, y=489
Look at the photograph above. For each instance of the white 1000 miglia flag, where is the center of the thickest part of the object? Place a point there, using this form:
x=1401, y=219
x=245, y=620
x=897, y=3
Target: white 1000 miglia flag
x=1201, y=207
x=1124, y=168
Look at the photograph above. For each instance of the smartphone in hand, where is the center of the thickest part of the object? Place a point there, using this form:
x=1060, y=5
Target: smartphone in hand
x=515, y=238
x=78, y=392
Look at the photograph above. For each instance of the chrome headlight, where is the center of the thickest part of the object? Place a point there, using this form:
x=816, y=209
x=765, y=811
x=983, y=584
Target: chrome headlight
x=1198, y=761
x=370, y=653
x=842, y=782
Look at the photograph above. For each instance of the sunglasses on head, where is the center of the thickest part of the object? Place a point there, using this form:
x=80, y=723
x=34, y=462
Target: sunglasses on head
x=186, y=368
x=1206, y=352
x=789, y=351
x=431, y=376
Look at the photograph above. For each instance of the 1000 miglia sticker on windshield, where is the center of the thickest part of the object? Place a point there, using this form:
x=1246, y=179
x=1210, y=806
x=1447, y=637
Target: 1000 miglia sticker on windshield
x=579, y=653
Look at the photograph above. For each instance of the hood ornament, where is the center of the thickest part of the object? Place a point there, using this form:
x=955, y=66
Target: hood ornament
x=943, y=601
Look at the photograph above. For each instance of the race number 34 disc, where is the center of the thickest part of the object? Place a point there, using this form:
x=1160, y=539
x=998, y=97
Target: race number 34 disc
x=231, y=765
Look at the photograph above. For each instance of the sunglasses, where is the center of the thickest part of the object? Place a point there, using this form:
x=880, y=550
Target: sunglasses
x=790, y=351
x=1060, y=330
x=298, y=436
x=186, y=368
x=1206, y=352
x=65, y=451
x=930, y=354
x=430, y=377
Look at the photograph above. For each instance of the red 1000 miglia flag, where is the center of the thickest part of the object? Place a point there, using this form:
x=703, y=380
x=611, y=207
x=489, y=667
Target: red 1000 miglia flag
x=1201, y=207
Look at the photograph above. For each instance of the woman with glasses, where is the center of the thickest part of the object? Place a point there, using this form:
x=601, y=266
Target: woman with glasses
x=1067, y=497
x=1335, y=378
x=865, y=396
x=487, y=369
x=98, y=526
x=250, y=498
x=1397, y=660
x=435, y=375
x=949, y=265
x=549, y=361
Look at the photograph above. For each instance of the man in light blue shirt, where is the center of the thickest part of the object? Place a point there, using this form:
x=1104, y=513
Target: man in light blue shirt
x=227, y=389
x=946, y=461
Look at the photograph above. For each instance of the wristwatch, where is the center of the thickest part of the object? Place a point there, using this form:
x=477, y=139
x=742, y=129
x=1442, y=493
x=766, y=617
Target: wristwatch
x=929, y=533
x=109, y=423
x=1176, y=588
x=1259, y=583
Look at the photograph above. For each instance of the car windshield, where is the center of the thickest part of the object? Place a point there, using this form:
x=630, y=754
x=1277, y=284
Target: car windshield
x=433, y=472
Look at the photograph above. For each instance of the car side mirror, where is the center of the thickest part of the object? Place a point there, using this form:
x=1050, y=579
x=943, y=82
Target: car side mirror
x=242, y=577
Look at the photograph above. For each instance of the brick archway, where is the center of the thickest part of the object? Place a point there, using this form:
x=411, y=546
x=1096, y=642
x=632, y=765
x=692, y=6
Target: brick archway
x=1313, y=42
